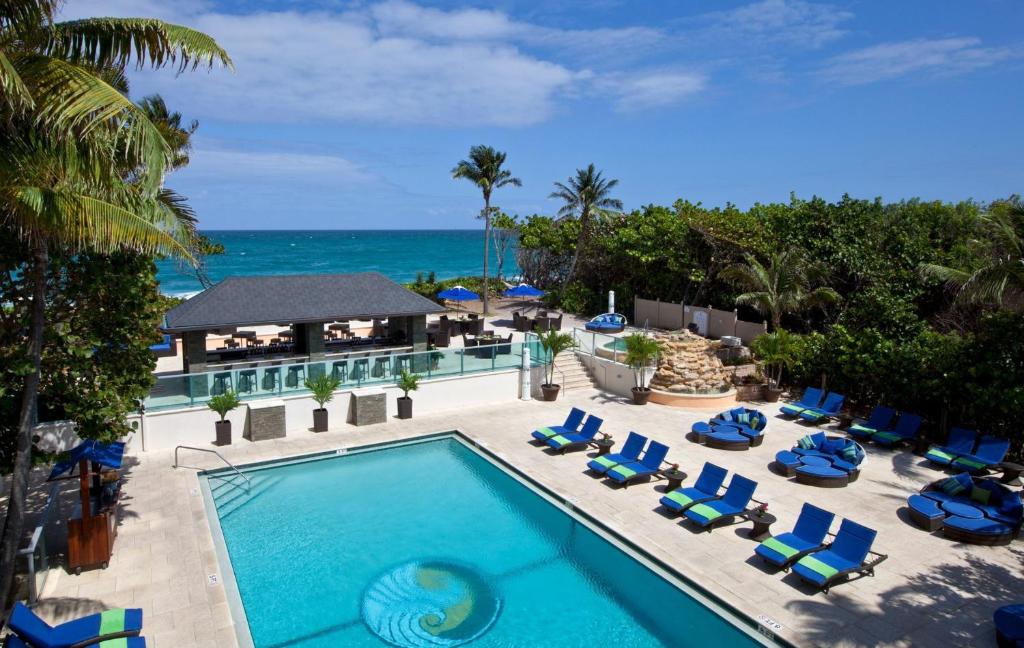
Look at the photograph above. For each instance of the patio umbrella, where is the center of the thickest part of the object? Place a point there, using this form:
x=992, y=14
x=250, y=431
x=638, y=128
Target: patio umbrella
x=524, y=291
x=458, y=294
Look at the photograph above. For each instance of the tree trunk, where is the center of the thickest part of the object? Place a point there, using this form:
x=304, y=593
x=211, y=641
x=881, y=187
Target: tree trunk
x=576, y=253
x=15, y=519
x=487, y=245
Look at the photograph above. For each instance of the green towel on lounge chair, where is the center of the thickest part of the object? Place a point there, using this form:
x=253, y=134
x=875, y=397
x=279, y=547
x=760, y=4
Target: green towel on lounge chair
x=625, y=471
x=857, y=427
x=547, y=432
x=970, y=463
x=815, y=565
x=705, y=512
x=559, y=439
x=111, y=622
x=783, y=549
x=605, y=461
x=941, y=454
x=888, y=436
x=679, y=498
x=121, y=642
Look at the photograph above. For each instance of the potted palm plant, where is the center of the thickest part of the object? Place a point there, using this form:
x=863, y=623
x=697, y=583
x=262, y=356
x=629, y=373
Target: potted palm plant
x=641, y=353
x=222, y=404
x=407, y=382
x=776, y=351
x=553, y=342
x=323, y=387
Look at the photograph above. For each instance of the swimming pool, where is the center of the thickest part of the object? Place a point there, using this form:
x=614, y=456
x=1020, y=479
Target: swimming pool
x=432, y=543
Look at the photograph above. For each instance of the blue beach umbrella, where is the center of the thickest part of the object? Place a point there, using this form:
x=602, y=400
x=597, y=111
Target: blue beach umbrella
x=458, y=294
x=524, y=291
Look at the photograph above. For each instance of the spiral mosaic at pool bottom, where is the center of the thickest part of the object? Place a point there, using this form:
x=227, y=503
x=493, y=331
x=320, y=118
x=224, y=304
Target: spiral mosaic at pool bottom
x=430, y=603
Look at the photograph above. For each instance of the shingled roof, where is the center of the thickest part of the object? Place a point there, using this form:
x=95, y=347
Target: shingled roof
x=295, y=299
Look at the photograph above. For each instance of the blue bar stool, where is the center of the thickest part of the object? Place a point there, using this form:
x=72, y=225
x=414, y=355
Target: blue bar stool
x=247, y=381
x=221, y=383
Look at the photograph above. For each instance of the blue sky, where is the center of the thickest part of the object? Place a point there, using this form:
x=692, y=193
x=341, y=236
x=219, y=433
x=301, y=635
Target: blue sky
x=352, y=114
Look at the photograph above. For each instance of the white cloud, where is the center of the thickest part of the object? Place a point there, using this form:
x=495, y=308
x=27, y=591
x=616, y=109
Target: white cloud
x=652, y=90
x=794, y=23
x=923, y=56
x=391, y=62
x=213, y=162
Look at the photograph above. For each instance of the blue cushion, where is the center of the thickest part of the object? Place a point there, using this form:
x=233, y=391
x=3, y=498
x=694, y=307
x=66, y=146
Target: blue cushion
x=788, y=539
x=952, y=486
x=1009, y=621
x=730, y=435
x=940, y=496
x=833, y=446
x=825, y=472
x=805, y=442
x=925, y=506
x=979, y=526
x=829, y=558
x=787, y=458
x=849, y=453
x=700, y=427
x=845, y=466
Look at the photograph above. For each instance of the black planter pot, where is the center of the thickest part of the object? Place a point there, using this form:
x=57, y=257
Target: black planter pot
x=223, y=433
x=640, y=396
x=404, y=407
x=550, y=392
x=320, y=420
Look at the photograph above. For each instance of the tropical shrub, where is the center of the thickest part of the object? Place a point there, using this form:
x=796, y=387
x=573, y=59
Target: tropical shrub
x=323, y=388
x=223, y=403
x=641, y=352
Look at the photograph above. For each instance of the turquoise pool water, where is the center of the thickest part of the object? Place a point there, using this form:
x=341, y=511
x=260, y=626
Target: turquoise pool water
x=430, y=544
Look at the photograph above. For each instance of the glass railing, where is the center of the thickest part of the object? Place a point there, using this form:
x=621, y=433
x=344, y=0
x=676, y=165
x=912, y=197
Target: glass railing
x=601, y=345
x=271, y=379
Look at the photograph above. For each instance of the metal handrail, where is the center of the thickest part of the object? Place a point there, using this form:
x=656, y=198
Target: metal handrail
x=52, y=502
x=230, y=465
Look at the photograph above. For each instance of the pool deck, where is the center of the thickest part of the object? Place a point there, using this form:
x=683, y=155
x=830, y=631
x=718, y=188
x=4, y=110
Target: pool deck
x=930, y=591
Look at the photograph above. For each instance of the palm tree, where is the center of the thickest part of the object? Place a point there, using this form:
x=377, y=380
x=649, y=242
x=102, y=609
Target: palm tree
x=483, y=168
x=81, y=166
x=1000, y=279
x=169, y=123
x=586, y=196
x=781, y=287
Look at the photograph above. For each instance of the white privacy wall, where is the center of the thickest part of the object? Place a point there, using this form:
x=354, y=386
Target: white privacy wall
x=194, y=426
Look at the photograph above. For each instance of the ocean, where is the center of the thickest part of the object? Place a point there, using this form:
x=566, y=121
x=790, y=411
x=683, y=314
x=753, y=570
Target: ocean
x=398, y=254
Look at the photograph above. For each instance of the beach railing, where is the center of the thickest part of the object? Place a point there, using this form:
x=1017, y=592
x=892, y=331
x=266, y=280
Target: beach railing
x=602, y=345
x=251, y=381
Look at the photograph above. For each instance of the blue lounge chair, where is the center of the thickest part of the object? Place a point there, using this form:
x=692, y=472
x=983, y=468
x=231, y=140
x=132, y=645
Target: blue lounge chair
x=631, y=450
x=706, y=489
x=110, y=624
x=904, y=432
x=829, y=408
x=563, y=442
x=725, y=508
x=571, y=425
x=848, y=554
x=991, y=452
x=811, y=398
x=649, y=465
x=960, y=442
x=13, y=641
x=807, y=536
x=879, y=421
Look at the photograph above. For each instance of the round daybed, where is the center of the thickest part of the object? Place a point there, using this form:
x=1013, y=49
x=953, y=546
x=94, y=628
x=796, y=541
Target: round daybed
x=820, y=460
x=968, y=509
x=607, y=323
x=735, y=429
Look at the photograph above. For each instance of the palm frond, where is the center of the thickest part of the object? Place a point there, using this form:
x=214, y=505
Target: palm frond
x=11, y=85
x=116, y=42
x=22, y=15
x=74, y=100
x=81, y=222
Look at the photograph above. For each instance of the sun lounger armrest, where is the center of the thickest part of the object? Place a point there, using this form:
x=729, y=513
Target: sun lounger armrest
x=878, y=559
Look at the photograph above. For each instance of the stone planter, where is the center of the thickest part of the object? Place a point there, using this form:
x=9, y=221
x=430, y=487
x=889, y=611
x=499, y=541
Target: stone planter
x=772, y=394
x=550, y=391
x=223, y=433
x=640, y=396
x=320, y=420
x=752, y=392
x=404, y=407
